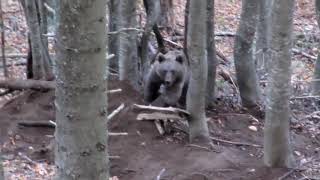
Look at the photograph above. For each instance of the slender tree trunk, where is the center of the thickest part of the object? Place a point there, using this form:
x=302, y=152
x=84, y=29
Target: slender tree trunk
x=167, y=15
x=81, y=101
x=33, y=24
x=316, y=78
x=4, y=61
x=243, y=55
x=186, y=15
x=128, y=52
x=263, y=36
x=1, y=168
x=197, y=43
x=211, y=50
x=277, y=147
x=153, y=13
x=113, y=26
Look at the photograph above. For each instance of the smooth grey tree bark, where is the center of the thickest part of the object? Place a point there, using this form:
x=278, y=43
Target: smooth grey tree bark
x=153, y=13
x=81, y=82
x=197, y=53
x=243, y=54
x=128, y=51
x=277, y=145
x=263, y=36
x=34, y=26
x=211, y=53
x=316, y=77
x=113, y=38
x=167, y=15
x=1, y=169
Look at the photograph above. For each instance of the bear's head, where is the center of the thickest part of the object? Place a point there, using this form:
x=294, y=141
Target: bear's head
x=171, y=67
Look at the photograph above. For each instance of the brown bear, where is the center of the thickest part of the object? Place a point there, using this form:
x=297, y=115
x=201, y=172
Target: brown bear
x=167, y=81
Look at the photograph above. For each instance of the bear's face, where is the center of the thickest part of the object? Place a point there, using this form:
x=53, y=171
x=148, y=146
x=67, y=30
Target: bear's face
x=171, y=67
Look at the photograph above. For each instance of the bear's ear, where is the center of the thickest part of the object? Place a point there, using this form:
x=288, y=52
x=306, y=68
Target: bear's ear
x=180, y=59
x=161, y=58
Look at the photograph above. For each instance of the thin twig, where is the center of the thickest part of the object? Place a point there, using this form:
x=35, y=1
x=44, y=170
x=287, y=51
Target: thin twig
x=197, y=146
x=114, y=91
x=118, y=134
x=115, y=112
x=36, y=124
x=114, y=157
x=235, y=143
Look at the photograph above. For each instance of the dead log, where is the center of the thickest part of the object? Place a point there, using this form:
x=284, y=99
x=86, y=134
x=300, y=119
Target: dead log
x=158, y=115
x=19, y=84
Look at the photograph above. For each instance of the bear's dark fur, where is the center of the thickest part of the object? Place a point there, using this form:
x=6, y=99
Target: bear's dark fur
x=166, y=83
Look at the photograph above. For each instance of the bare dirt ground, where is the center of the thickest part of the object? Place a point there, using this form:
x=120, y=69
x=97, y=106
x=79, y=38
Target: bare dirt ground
x=144, y=154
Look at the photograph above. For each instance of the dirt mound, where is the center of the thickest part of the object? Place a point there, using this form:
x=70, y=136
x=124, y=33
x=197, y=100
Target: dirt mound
x=144, y=154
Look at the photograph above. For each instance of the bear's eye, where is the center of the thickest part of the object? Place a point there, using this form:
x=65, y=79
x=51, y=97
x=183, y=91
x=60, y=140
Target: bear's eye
x=172, y=71
x=165, y=71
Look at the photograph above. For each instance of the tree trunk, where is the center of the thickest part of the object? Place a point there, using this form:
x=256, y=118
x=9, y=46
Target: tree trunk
x=113, y=26
x=211, y=50
x=1, y=168
x=243, y=55
x=167, y=16
x=81, y=104
x=127, y=52
x=316, y=77
x=263, y=36
x=197, y=40
x=186, y=15
x=153, y=12
x=4, y=61
x=277, y=148
x=33, y=24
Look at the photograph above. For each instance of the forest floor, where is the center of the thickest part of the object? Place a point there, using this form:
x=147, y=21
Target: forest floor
x=144, y=153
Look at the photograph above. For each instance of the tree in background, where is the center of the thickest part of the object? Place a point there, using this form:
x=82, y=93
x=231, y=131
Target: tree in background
x=277, y=148
x=316, y=77
x=211, y=54
x=263, y=36
x=128, y=51
x=81, y=82
x=243, y=54
x=197, y=43
x=167, y=18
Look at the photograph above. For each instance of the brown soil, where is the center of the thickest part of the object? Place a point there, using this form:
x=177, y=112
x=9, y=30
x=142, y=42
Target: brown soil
x=144, y=153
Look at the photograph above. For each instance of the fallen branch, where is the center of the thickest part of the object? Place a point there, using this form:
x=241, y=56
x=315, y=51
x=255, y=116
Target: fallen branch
x=161, y=109
x=36, y=124
x=114, y=157
x=158, y=115
x=115, y=112
x=159, y=127
x=118, y=134
x=235, y=143
x=114, y=91
x=297, y=51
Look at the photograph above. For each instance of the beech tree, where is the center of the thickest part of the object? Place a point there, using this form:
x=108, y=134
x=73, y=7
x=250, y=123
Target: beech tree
x=263, y=35
x=316, y=77
x=243, y=54
x=128, y=51
x=37, y=23
x=277, y=148
x=81, y=82
x=167, y=15
x=197, y=43
x=211, y=54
